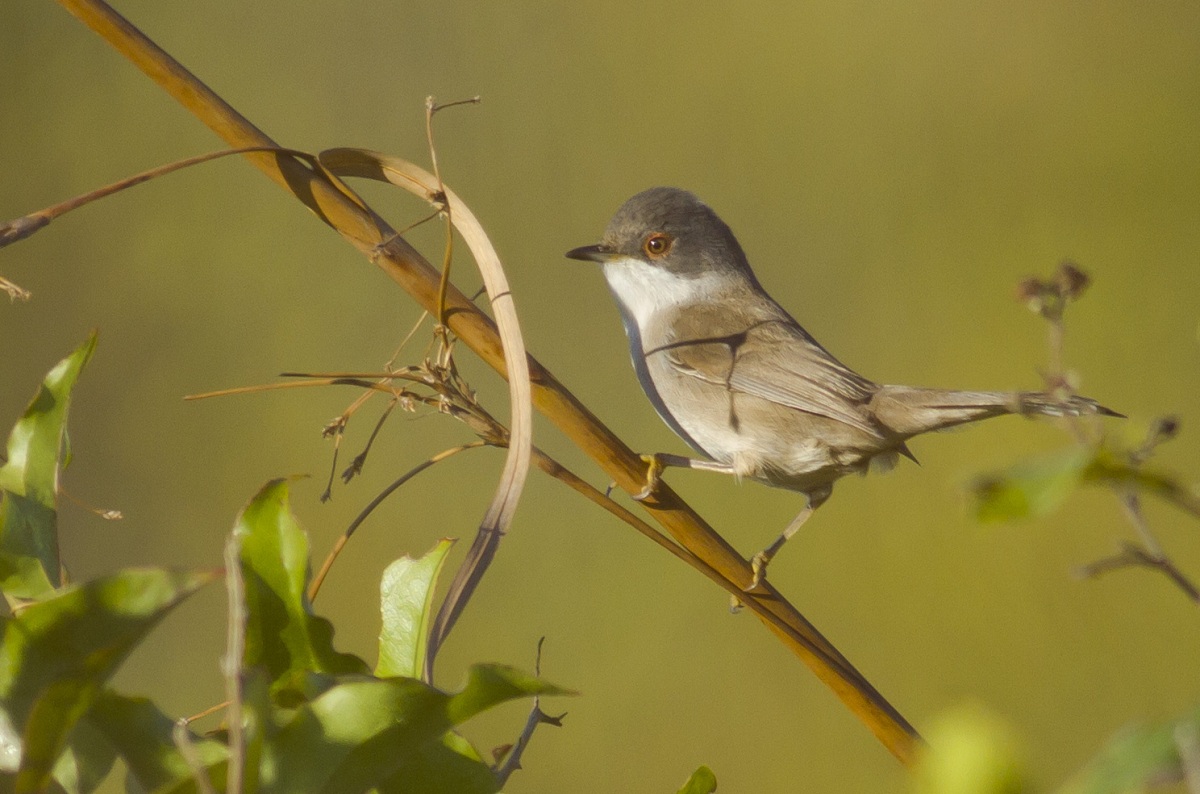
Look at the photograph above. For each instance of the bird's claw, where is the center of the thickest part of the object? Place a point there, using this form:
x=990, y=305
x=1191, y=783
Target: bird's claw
x=758, y=569
x=654, y=470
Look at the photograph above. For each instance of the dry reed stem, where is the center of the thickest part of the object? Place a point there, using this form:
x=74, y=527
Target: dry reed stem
x=364, y=229
x=512, y=480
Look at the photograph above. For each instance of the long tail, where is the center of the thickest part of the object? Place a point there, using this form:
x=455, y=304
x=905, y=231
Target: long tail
x=908, y=410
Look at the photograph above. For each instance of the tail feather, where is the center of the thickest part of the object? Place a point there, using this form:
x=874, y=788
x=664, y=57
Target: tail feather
x=908, y=410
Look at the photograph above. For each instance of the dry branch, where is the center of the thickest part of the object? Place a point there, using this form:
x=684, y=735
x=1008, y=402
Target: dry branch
x=371, y=235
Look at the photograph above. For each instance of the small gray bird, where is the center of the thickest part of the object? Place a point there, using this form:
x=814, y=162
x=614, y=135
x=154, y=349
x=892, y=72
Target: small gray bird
x=742, y=383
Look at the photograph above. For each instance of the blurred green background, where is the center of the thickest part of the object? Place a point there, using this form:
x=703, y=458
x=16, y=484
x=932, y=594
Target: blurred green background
x=892, y=170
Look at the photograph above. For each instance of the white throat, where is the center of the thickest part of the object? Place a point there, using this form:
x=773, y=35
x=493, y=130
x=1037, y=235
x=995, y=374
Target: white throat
x=643, y=290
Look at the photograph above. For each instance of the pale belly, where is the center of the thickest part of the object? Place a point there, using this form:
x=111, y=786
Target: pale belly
x=760, y=440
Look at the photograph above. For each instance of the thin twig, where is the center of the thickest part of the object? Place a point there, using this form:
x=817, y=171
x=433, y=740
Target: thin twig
x=295, y=384
x=235, y=641
x=199, y=715
x=1050, y=299
x=20, y=228
x=1131, y=504
x=1134, y=556
x=1151, y=554
x=356, y=465
x=407, y=338
x=336, y=429
x=431, y=108
x=512, y=761
x=183, y=742
x=14, y=291
x=108, y=514
x=319, y=579
x=440, y=329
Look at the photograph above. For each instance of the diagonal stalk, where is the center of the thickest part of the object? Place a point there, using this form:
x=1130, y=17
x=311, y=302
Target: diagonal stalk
x=371, y=235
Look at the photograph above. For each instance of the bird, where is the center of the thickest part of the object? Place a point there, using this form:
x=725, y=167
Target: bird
x=740, y=380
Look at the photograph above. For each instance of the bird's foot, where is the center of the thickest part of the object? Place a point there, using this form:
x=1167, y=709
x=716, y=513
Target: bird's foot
x=758, y=569
x=654, y=470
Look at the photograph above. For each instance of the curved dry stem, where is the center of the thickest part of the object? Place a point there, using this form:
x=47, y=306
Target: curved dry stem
x=354, y=162
x=365, y=230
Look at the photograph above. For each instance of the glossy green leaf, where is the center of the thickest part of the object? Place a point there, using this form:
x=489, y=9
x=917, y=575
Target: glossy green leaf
x=359, y=734
x=282, y=633
x=489, y=685
x=356, y=734
x=448, y=765
x=702, y=781
x=57, y=654
x=406, y=601
x=29, y=483
x=1031, y=488
x=970, y=751
x=1137, y=758
x=142, y=735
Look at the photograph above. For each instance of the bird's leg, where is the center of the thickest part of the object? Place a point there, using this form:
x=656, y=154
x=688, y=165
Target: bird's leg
x=758, y=563
x=662, y=460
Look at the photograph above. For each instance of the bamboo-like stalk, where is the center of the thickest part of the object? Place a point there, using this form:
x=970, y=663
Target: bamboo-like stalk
x=371, y=235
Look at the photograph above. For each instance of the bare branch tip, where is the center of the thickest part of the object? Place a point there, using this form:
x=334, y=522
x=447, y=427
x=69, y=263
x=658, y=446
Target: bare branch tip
x=1071, y=280
x=14, y=291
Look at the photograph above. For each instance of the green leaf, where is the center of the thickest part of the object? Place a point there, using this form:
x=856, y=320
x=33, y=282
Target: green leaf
x=29, y=482
x=970, y=751
x=282, y=634
x=702, y=781
x=1113, y=467
x=1030, y=488
x=491, y=684
x=359, y=734
x=356, y=734
x=1136, y=758
x=21, y=577
x=10, y=744
x=57, y=654
x=449, y=765
x=142, y=735
x=406, y=600
x=86, y=762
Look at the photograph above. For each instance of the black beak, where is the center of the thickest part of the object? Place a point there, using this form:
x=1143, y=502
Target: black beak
x=591, y=253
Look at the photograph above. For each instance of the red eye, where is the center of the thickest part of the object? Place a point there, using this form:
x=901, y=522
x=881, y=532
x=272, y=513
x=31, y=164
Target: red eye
x=657, y=245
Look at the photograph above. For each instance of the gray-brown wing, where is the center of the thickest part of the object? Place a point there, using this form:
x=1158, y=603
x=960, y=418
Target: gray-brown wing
x=779, y=362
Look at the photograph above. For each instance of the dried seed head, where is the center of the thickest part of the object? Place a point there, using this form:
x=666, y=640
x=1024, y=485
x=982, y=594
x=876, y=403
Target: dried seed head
x=1032, y=292
x=1071, y=281
x=1166, y=427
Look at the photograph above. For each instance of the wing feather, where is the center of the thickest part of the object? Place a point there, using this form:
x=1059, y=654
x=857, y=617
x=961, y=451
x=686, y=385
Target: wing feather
x=779, y=362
